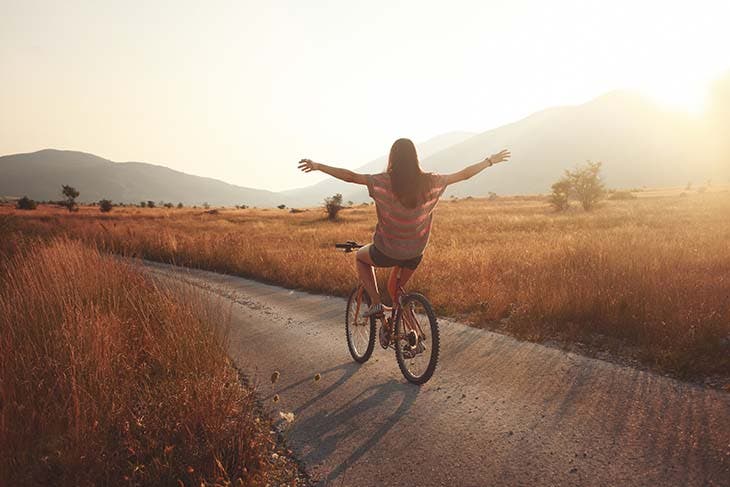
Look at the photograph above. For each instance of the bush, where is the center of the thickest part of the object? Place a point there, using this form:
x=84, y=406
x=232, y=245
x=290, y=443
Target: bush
x=333, y=205
x=559, y=198
x=71, y=194
x=281, y=207
x=150, y=204
x=26, y=203
x=584, y=183
x=105, y=206
x=179, y=206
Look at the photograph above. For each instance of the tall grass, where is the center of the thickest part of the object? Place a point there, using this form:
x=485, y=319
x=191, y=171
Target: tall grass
x=647, y=277
x=109, y=379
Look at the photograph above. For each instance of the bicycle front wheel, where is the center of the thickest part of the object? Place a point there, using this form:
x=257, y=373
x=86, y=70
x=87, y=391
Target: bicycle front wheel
x=417, y=339
x=360, y=331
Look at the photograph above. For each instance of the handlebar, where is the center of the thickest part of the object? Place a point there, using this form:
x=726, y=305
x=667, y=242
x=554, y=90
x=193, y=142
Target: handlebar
x=348, y=246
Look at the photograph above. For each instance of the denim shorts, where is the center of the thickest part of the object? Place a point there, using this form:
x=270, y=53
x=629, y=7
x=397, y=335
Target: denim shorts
x=382, y=260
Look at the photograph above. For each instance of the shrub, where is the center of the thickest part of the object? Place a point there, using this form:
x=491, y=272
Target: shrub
x=71, y=194
x=281, y=207
x=26, y=203
x=559, y=198
x=143, y=204
x=179, y=206
x=105, y=206
x=584, y=183
x=333, y=205
x=169, y=205
x=150, y=204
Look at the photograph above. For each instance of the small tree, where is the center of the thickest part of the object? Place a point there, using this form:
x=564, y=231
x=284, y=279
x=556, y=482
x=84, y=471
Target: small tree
x=333, y=205
x=105, y=206
x=281, y=207
x=71, y=194
x=179, y=206
x=26, y=203
x=560, y=196
x=586, y=184
x=150, y=204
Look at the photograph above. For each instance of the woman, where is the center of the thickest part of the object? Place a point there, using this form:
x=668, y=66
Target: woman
x=405, y=198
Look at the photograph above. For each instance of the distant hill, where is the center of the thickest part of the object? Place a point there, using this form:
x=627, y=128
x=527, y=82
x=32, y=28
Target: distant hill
x=639, y=142
x=41, y=174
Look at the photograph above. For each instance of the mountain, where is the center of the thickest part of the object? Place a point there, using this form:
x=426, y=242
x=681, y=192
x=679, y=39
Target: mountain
x=41, y=174
x=639, y=142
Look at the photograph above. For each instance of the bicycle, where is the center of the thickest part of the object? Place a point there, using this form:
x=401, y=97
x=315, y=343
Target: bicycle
x=411, y=329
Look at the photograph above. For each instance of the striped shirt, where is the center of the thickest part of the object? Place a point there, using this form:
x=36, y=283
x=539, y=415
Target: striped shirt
x=402, y=233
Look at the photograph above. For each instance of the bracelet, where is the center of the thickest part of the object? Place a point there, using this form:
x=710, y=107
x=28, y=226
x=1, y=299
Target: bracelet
x=489, y=160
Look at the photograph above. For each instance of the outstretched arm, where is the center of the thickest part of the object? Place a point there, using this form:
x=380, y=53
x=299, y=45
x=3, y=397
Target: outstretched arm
x=475, y=169
x=346, y=175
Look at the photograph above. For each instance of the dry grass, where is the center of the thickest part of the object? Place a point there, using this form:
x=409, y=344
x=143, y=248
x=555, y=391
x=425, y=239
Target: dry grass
x=108, y=379
x=649, y=277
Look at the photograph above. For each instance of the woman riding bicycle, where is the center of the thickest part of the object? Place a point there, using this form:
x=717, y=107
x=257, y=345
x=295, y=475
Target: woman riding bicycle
x=405, y=198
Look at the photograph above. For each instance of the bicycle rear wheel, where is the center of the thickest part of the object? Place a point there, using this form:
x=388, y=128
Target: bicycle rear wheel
x=417, y=339
x=360, y=331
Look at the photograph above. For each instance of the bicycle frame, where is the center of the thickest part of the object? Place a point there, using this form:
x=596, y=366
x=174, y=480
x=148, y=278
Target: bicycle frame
x=396, y=312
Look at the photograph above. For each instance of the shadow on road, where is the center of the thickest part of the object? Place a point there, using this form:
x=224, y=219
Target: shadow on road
x=357, y=425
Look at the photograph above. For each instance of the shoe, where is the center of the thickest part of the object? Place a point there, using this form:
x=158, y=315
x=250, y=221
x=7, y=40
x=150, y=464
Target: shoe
x=374, y=310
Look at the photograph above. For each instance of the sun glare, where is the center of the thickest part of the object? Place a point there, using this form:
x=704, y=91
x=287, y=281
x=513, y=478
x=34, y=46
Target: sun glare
x=686, y=96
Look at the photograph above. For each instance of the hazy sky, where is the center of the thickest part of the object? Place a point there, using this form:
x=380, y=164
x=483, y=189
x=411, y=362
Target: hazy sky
x=242, y=90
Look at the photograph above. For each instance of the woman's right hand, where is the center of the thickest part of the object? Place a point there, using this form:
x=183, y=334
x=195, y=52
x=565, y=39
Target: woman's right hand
x=307, y=165
x=499, y=157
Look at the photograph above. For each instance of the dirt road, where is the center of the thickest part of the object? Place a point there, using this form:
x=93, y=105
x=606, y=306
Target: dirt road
x=497, y=412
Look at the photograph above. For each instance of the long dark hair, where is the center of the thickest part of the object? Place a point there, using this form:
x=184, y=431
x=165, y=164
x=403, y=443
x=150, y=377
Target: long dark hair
x=410, y=184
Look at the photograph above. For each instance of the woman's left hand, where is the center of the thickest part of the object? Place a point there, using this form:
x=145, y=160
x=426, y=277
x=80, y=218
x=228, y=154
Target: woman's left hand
x=499, y=157
x=307, y=165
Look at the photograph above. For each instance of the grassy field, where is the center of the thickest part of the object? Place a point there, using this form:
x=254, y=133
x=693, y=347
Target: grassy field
x=648, y=278
x=106, y=378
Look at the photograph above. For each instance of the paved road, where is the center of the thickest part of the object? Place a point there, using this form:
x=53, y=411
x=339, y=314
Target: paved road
x=497, y=412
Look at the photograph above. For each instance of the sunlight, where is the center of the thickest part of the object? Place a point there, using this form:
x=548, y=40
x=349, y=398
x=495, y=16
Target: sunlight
x=687, y=95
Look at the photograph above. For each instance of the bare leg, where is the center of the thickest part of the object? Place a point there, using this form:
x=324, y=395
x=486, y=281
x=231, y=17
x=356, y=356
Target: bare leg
x=366, y=272
x=405, y=274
